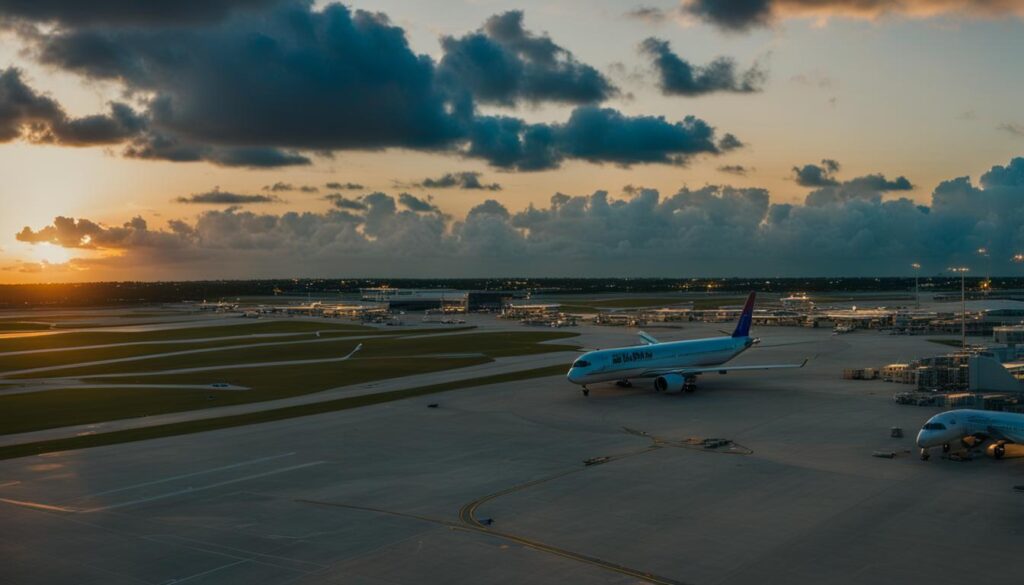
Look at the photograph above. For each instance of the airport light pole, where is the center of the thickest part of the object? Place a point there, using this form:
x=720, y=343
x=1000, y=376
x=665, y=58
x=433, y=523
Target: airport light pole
x=983, y=252
x=963, y=305
x=917, y=289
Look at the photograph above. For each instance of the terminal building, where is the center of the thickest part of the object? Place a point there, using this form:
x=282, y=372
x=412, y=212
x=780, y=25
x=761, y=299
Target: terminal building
x=447, y=299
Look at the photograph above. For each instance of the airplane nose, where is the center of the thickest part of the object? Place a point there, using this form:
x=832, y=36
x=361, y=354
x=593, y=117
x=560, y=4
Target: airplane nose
x=922, y=439
x=571, y=376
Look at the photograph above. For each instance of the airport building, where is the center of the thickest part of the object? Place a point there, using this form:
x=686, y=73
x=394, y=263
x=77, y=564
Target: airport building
x=448, y=299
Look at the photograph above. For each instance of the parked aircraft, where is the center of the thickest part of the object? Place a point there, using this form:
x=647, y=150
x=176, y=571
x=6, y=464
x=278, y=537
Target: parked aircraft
x=674, y=365
x=1002, y=433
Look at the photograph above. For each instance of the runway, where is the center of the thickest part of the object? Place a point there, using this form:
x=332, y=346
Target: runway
x=397, y=492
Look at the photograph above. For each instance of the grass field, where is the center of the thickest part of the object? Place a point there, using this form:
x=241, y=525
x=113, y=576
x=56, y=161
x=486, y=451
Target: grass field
x=197, y=426
x=380, y=359
x=69, y=356
x=239, y=327
x=491, y=344
x=58, y=408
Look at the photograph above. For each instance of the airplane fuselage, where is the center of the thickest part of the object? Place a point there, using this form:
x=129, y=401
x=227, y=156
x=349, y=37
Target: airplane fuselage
x=949, y=427
x=640, y=361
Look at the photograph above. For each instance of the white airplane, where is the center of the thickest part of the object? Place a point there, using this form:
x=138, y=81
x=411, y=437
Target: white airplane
x=1003, y=431
x=674, y=365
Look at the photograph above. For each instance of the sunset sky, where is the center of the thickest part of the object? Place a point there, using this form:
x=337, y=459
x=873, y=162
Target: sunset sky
x=283, y=138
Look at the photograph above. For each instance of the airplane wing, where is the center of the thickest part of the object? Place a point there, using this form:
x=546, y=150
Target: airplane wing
x=647, y=338
x=1003, y=434
x=721, y=369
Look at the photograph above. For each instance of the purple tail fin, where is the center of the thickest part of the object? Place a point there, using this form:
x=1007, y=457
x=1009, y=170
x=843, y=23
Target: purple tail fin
x=743, y=327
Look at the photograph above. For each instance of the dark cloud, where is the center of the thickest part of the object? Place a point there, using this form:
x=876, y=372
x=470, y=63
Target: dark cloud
x=729, y=142
x=290, y=77
x=124, y=12
x=157, y=146
x=462, y=180
x=503, y=63
x=649, y=14
x=258, y=90
x=817, y=175
x=413, y=203
x=714, y=230
x=676, y=76
x=344, y=186
x=593, y=134
x=26, y=113
x=309, y=189
x=224, y=197
x=342, y=202
x=742, y=15
x=868, y=187
x=732, y=15
x=279, y=186
x=738, y=170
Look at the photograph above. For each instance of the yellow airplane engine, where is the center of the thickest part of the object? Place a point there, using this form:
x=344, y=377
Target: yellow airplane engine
x=1003, y=450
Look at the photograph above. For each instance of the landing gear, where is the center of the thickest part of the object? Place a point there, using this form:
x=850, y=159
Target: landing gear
x=690, y=385
x=586, y=391
x=945, y=447
x=924, y=455
x=624, y=384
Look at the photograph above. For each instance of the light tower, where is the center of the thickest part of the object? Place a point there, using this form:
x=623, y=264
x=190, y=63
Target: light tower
x=917, y=289
x=963, y=270
x=983, y=252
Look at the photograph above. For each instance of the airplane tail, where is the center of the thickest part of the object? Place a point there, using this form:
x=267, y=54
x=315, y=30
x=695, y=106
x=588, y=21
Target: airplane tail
x=743, y=327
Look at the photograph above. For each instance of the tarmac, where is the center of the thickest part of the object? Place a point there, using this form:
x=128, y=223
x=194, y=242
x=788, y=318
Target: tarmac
x=491, y=487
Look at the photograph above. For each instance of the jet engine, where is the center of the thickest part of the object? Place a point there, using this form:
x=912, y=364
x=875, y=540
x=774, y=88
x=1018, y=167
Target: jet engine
x=669, y=383
x=1004, y=450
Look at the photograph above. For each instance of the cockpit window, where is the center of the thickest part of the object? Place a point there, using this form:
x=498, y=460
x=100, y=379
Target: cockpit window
x=580, y=364
x=934, y=427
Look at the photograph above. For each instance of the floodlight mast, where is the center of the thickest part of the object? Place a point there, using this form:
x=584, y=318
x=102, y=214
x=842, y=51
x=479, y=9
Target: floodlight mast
x=917, y=289
x=963, y=270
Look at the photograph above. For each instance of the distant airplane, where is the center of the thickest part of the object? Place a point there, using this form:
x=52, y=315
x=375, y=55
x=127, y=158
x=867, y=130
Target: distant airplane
x=1003, y=432
x=674, y=365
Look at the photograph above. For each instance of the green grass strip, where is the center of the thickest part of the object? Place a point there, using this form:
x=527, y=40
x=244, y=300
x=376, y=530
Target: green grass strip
x=224, y=422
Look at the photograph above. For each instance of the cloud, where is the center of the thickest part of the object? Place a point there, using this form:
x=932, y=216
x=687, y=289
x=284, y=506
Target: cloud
x=815, y=79
x=26, y=113
x=259, y=90
x=413, y=203
x=676, y=76
x=817, y=175
x=309, y=189
x=279, y=187
x=743, y=15
x=344, y=186
x=503, y=63
x=291, y=77
x=124, y=12
x=43, y=267
x=1012, y=129
x=738, y=170
x=342, y=202
x=462, y=180
x=648, y=14
x=224, y=197
x=713, y=230
x=158, y=146
x=599, y=135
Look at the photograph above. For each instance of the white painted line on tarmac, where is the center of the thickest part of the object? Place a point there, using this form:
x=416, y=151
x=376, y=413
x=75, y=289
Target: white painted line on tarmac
x=202, y=488
x=37, y=505
x=183, y=476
